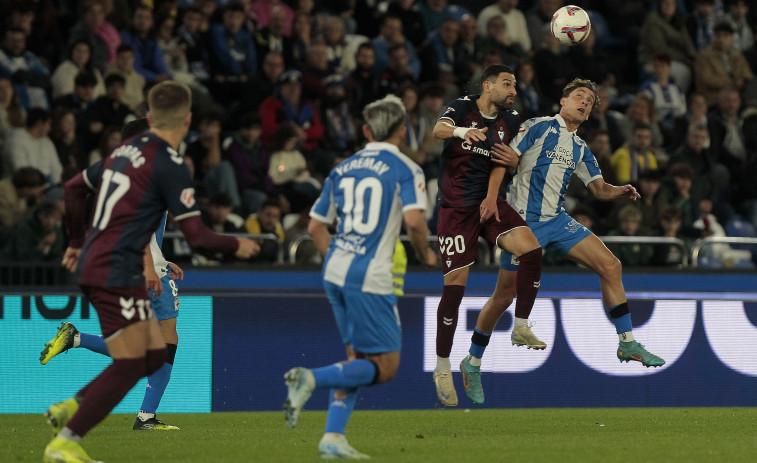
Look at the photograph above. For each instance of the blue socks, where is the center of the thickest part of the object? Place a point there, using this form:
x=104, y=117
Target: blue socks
x=340, y=409
x=156, y=386
x=360, y=372
x=621, y=317
x=478, y=344
x=94, y=343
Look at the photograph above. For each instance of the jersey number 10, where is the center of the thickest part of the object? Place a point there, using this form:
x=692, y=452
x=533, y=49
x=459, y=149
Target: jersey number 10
x=354, y=208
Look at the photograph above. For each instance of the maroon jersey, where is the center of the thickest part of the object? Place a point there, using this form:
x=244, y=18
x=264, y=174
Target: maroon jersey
x=135, y=185
x=465, y=168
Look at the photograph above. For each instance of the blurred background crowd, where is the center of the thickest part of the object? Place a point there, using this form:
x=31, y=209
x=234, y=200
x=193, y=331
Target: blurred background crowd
x=279, y=86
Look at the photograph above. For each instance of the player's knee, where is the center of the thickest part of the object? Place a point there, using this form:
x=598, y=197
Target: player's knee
x=385, y=371
x=154, y=360
x=611, y=269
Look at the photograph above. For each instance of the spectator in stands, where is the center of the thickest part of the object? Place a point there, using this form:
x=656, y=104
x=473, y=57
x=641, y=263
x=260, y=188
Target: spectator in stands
x=594, y=65
x=719, y=66
x=701, y=24
x=634, y=157
x=63, y=135
x=12, y=115
x=30, y=77
x=195, y=45
x=696, y=115
x=443, y=60
x=110, y=138
x=432, y=103
x=598, y=141
x=102, y=37
x=554, y=68
x=340, y=46
x=134, y=85
x=148, y=59
x=273, y=37
x=398, y=73
x=530, y=102
x=630, y=254
x=495, y=38
x=17, y=194
x=79, y=58
x=250, y=160
x=109, y=109
x=262, y=85
x=215, y=173
x=669, y=227
x=315, y=70
x=679, y=194
x=607, y=120
x=233, y=57
x=419, y=19
x=363, y=84
x=173, y=51
x=340, y=133
x=267, y=220
x=38, y=238
x=738, y=16
x=516, y=27
x=390, y=35
x=287, y=105
x=416, y=132
x=651, y=204
x=219, y=215
x=539, y=16
x=713, y=178
x=289, y=170
x=641, y=111
x=306, y=251
x=727, y=140
x=668, y=98
x=664, y=30
x=266, y=11
x=490, y=58
x=31, y=147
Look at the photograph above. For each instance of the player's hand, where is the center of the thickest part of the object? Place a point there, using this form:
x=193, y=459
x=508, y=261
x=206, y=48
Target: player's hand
x=488, y=209
x=630, y=192
x=247, y=248
x=152, y=281
x=431, y=258
x=504, y=156
x=176, y=272
x=71, y=258
x=474, y=135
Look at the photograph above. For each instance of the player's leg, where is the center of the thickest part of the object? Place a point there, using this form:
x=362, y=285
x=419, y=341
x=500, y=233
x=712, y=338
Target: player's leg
x=592, y=253
x=69, y=337
x=165, y=308
x=495, y=306
x=137, y=349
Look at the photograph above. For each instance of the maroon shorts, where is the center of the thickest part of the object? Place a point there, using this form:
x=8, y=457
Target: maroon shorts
x=118, y=308
x=458, y=229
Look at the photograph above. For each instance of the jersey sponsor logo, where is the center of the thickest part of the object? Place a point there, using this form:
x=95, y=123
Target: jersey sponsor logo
x=187, y=197
x=573, y=226
x=132, y=153
x=477, y=150
x=351, y=243
x=553, y=130
x=562, y=155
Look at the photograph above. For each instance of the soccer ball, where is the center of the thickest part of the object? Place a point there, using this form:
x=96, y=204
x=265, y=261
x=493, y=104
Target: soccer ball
x=570, y=25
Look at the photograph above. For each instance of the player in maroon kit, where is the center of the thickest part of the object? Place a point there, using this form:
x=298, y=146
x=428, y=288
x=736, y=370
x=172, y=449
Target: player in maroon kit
x=135, y=185
x=470, y=207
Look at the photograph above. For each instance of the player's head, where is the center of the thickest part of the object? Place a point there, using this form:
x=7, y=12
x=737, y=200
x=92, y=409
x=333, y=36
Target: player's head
x=134, y=128
x=169, y=106
x=384, y=119
x=498, y=85
x=579, y=97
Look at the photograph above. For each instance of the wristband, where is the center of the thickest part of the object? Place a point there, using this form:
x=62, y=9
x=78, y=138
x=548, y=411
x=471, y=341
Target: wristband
x=460, y=132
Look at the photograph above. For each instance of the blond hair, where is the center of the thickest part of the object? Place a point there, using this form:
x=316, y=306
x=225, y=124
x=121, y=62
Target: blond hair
x=169, y=102
x=582, y=83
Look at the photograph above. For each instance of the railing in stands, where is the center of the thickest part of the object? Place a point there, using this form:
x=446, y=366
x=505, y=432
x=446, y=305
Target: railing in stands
x=701, y=243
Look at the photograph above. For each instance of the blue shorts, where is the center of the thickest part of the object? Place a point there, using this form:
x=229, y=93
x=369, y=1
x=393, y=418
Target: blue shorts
x=166, y=305
x=558, y=234
x=370, y=323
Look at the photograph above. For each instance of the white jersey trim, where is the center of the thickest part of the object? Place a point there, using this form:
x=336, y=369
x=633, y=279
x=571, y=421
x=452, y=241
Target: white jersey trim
x=186, y=216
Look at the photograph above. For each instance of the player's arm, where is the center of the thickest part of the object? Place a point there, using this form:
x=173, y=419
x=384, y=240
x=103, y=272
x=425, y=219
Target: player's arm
x=199, y=236
x=152, y=279
x=319, y=231
x=176, y=272
x=488, y=206
x=415, y=224
x=76, y=191
x=606, y=192
x=445, y=129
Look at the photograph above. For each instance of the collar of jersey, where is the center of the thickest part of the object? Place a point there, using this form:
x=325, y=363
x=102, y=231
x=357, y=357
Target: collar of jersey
x=380, y=145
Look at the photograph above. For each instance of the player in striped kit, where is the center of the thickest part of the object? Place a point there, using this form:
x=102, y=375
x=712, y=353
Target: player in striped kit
x=370, y=194
x=546, y=153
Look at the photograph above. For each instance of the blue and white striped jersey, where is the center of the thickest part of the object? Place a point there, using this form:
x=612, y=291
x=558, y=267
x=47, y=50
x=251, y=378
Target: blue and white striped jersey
x=549, y=155
x=369, y=193
x=156, y=243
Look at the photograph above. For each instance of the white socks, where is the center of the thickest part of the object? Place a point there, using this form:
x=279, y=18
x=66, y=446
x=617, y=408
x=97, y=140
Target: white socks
x=77, y=339
x=144, y=416
x=626, y=336
x=474, y=361
x=520, y=322
x=442, y=364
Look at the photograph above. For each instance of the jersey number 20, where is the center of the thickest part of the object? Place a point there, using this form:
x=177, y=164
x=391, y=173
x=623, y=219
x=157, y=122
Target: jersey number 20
x=357, y=216
x=113, y=187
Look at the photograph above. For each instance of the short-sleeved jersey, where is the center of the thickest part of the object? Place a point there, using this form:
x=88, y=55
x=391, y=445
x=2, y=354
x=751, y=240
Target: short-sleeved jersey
x=156, y=243
x=134, y=186
x=549, y=155
x=465, y=168
x=368, y=193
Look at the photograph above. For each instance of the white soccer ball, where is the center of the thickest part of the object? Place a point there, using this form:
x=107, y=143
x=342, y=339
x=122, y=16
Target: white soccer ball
x=570, y=25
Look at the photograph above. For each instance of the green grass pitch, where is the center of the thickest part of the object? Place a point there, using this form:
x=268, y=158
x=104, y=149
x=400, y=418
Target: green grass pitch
x=445, y=435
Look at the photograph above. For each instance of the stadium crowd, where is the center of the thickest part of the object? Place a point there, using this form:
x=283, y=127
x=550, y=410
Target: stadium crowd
x=279, y=86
